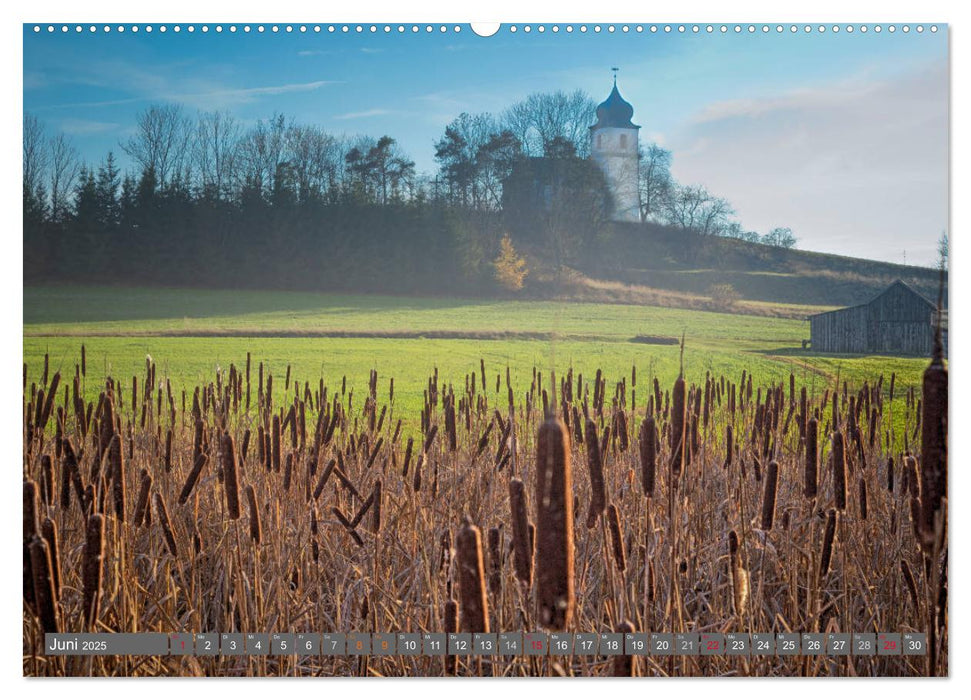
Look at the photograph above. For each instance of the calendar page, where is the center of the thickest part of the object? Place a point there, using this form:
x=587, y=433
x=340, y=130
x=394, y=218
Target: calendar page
x=517, y=350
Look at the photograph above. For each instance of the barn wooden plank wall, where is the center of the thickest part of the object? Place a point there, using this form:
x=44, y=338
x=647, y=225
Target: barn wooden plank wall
x=899, y=321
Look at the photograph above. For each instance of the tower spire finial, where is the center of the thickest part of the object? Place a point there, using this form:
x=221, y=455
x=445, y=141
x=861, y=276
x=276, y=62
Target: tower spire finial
x=615, y=69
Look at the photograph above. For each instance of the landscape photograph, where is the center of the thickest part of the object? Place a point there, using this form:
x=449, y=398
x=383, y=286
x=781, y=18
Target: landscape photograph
x=401, y=333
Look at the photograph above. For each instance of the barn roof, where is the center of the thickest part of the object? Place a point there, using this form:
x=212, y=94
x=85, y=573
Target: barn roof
x=896, y=283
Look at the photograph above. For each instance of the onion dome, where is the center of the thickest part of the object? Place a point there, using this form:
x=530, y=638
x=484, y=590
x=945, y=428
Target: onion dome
x=615, y=111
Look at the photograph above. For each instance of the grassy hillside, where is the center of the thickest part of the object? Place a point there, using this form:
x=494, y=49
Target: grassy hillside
x=663, y=258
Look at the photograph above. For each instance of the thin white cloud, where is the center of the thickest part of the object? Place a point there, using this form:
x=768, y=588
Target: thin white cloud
x=363, y=115
x=208, y=99
x=86, y=126
x=310, y=52
x=370, y=50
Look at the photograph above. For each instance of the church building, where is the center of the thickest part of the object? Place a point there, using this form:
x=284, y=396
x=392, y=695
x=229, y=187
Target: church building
x=614, y=147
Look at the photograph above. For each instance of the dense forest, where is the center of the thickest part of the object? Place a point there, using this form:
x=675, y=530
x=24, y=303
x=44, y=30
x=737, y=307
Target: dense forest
x=285, y=205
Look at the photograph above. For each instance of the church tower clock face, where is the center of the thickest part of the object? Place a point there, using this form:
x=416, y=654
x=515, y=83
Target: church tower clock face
x=614, y=147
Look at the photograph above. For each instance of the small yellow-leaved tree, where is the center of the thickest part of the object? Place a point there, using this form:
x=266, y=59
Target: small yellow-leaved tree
x=510, y=268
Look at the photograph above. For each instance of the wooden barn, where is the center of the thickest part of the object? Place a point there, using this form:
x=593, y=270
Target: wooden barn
x=898, y=321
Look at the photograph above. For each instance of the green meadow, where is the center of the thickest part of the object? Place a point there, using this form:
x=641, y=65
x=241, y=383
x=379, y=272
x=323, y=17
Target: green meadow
x=191, y=334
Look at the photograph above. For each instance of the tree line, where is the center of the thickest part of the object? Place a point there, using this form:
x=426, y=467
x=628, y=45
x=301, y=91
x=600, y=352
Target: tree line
x=282, y=204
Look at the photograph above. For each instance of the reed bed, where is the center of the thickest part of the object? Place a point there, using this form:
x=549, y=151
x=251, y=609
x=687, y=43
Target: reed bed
x=308, y=505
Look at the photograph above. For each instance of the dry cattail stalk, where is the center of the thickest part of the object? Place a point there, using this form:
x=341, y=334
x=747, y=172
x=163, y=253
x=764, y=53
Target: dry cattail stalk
x=739, y=575
x=598, y=493
x=769, y=495
x=522, y=543
x=648, y=447
x=376, y=516
x=623, y=666
x=828, y=536
x=45, y=600
x=554, y=526
x=166, y=525
x=255, y=530
x=933, y=456
x=616, y=540
x=471, y=573
x=838, y=457
x=230, y=477
x=193, y=477
x=92, y=567
x=812, y=458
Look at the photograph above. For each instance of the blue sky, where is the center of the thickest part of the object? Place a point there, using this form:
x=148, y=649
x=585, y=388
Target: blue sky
x=843, y=137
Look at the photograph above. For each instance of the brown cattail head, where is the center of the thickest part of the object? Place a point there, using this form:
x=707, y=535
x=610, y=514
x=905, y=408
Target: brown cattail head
x=45, y=599
x=838, y=457
x=828, y=538
x=677, y=434
x=451, y=614
x=49, y=531
x=29, y=533
x=471, y=572
x=92, y=567
x=863, y=499
x=739, y=575
x=933, y=459
x=495, y=559
x=116, y=455
x=598, y=492
x=193, y=477
x=276, y=439
x=616, y=539
x=522, y=544
x=812, y=458
x=554, y=526
x=255, y=529
x=141, y=505
x=769, y=495
x=623, y=666
x=648, y=446
x=230, y=476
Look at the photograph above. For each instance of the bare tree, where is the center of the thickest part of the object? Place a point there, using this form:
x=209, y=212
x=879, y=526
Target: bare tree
x=263, y=149
x=780, y=237
x=542, y=117
x=457, y=153
x=654, y=180
x=35, y=156
x=160, y=141
x=215, y=151
x=314, y=158
x=943, y=251
x=64, y=167
x=693, y=208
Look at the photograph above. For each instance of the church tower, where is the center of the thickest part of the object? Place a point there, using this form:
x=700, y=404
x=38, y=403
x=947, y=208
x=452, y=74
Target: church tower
x=614, y=146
